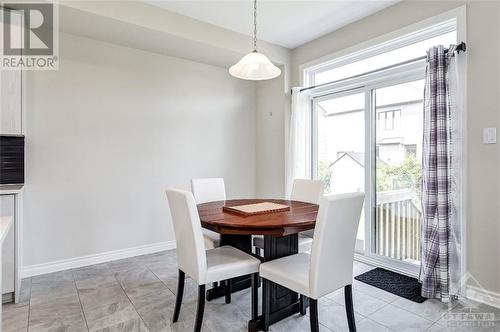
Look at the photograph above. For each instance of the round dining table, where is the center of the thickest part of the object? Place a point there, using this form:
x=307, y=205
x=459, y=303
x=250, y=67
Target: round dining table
x=280, y=231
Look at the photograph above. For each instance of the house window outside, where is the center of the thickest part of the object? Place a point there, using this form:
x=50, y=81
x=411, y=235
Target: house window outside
x=389, y=120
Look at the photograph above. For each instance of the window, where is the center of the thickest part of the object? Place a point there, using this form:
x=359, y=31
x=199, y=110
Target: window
x=382, y=60
x=340, y=142
x=389, y=120
x=367, y=136
x=398, y=50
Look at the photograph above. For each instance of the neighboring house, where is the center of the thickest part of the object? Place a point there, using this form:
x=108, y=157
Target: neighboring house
x=399, y=133
x=399, y=129
x=352, y=163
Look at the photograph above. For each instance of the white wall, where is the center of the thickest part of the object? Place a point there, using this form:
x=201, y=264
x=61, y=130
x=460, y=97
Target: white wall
x=272, y=106
x=110, y=130
x=483, y=86
x=139, y=25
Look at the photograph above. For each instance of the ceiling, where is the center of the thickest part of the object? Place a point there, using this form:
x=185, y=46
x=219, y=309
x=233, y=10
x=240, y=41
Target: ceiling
x=286, y=23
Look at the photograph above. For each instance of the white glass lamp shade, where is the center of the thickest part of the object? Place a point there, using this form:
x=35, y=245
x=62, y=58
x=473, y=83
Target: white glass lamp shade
x=254, y=66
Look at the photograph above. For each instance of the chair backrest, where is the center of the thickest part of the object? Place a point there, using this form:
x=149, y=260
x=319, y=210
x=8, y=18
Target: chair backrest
x=208, y=190
x=191, y=257
x=309, y=191
x=332, y=252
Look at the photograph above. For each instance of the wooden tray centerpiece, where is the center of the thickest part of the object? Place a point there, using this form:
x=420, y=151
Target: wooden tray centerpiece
x=256, y=208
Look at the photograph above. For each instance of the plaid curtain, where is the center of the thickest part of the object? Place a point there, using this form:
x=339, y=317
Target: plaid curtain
x=436, y=187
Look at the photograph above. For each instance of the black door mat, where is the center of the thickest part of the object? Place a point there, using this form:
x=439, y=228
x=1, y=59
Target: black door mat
x=394, y=283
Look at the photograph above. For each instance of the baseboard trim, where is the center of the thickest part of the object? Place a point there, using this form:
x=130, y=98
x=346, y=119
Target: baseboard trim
x=474, y=293
x=71, y=263
x=482, y=295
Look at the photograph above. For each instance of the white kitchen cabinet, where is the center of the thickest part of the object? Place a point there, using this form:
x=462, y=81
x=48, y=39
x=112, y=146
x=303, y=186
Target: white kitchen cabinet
x=7, y=209
x=6, y=225
x=11, y=86
x=11, y=102
x=11, y=205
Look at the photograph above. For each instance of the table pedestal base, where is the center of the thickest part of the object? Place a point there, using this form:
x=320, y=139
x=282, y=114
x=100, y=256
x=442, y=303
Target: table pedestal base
x=281, y=301
x=258, y=323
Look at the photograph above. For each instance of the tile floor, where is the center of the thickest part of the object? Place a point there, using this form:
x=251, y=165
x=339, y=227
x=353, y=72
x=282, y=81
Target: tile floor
x=138, y=294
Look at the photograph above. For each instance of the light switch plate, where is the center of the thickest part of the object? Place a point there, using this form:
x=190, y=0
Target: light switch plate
x=489, y=135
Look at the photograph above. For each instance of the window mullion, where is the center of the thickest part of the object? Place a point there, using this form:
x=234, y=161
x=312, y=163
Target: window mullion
x=370, y=147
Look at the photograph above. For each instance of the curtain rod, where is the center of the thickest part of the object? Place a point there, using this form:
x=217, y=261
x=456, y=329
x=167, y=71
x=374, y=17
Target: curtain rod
x=462, y=47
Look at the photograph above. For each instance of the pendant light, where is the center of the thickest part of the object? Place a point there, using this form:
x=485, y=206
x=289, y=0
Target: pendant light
x=254, y=66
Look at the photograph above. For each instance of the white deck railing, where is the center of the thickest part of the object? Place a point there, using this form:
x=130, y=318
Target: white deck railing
x=398, y=220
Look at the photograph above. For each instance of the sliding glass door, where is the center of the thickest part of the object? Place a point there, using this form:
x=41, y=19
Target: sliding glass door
x=339, y=123
x=398, y=171
x=370, y=139
x=367, y=112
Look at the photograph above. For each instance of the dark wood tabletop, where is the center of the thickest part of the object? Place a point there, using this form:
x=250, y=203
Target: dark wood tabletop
x=301, y=217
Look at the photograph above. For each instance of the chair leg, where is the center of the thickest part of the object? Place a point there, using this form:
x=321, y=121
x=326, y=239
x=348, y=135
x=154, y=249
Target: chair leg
x=255, y=295
x=201, y=308
x=349, y=308
x=228, y=291
x=313, y=315
x=180, y=292
x=304, y=301
x=266, y=294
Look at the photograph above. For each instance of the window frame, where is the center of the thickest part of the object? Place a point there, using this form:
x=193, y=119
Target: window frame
x=399, y=38
x=391, y=45
x=388, y=78
x=393, y=76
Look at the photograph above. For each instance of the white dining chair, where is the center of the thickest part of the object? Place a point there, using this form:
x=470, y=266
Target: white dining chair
x=330, y=264
x=209, y=190
x=205, y=266
x=309, y=191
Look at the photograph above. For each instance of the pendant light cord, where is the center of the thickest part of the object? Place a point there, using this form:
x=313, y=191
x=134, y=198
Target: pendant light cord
x=255, y=25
